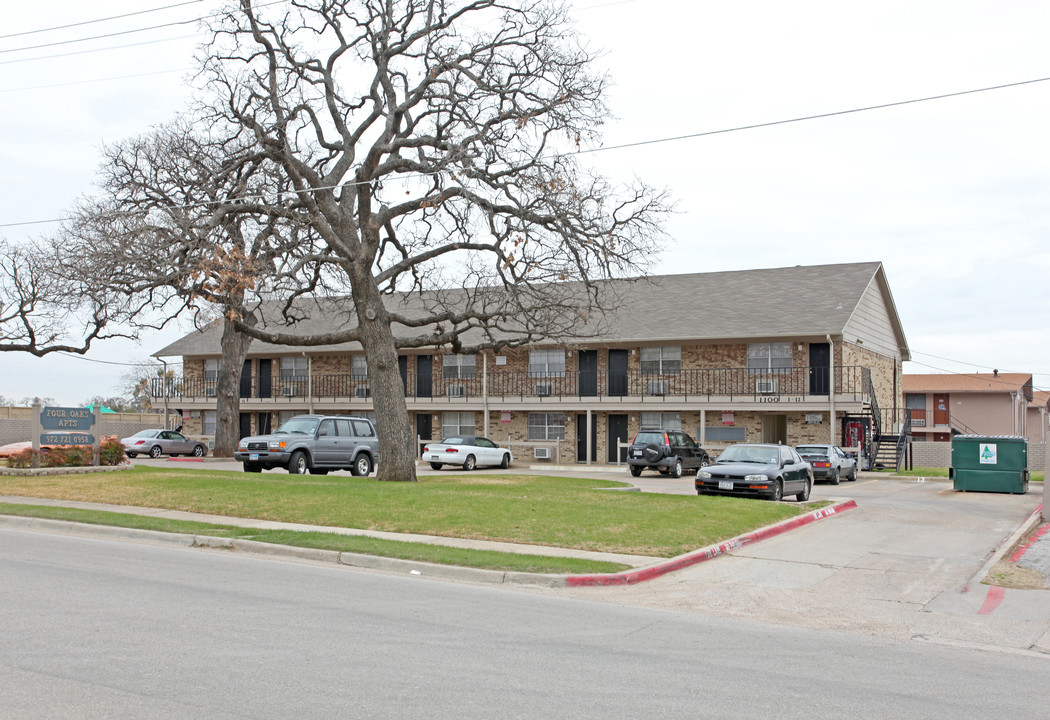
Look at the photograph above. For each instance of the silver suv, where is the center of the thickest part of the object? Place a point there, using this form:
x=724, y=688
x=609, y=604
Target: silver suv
x=314, y=444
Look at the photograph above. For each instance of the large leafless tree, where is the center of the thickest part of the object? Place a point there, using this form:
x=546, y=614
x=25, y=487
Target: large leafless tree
x=430, y=145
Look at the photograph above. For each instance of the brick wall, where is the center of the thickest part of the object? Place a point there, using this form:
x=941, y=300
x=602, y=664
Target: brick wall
x=939, y=454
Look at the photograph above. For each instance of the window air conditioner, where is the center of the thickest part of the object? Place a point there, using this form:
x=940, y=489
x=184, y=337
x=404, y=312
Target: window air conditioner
x=210, y=391
x=542, y=390
x=657, y=387
x=455, y=391
x=362, y=392
x=765, y=387
x=288, y=390
x=542, y=453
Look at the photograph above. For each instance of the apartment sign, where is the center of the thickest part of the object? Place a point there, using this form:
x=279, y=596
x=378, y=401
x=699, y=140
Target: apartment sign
x=68, y=419
x=728, y=418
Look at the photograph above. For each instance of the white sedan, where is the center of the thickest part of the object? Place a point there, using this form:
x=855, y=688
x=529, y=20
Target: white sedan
x=468, y=451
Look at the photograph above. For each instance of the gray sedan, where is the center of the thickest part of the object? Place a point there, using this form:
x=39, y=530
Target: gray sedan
x=829, y=462
x=156, y=442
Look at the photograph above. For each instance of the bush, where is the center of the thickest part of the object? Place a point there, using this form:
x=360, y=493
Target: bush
x=112, y=453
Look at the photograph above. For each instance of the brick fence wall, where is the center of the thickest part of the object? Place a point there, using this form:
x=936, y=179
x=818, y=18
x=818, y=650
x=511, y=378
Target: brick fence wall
x=939, y=454
x=16, y=424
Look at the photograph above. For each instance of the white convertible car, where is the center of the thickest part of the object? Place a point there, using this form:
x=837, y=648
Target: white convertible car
x=467, y=451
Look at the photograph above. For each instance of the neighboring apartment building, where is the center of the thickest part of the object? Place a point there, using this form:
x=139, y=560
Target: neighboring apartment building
x=790, y=355
x=1039, y=416
x=943, y=405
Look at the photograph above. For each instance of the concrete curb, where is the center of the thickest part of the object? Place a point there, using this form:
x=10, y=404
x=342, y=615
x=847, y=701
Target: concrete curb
x=630, y=577
x=419, y=568
x=1004, y=547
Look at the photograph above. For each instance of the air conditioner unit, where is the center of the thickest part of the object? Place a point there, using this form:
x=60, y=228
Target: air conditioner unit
x=455, y=391
x=210, y=391
x=765, y=387
x=288, y=390
x=362, y=392
x=542, y=453
x=657, y=387
x=542, y=389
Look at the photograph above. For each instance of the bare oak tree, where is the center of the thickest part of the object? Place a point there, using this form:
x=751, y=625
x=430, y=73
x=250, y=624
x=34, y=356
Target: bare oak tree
x=430, y=145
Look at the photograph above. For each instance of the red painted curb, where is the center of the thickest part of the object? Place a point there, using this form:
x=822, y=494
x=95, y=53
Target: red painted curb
x=630, y=577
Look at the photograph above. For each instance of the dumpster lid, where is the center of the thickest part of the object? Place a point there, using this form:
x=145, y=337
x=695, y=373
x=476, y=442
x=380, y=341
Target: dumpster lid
x=988, y=437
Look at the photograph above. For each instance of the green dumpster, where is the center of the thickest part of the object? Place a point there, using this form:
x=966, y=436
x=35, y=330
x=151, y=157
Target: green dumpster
x=990, y=463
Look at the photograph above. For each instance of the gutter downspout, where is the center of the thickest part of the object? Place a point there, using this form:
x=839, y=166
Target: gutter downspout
x=164, y=380
x=485, y=390
x=309, y=381
x=831, y=388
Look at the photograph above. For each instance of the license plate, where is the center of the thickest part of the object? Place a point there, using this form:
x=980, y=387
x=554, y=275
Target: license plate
x=253, y=456
x=636, y=453
x=435, y=457
x=725, y=484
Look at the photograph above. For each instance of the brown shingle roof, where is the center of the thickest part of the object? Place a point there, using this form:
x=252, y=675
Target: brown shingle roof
x=970, y=382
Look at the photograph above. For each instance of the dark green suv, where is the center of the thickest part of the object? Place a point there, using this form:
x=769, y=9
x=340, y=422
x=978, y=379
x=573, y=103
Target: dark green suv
x=667, y=451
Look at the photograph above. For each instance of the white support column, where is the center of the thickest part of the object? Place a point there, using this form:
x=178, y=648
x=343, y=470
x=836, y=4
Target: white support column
x=831, y=391
x=590, y=445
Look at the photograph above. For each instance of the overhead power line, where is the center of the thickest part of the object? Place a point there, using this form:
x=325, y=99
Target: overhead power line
x=99, y=20
x=700, y=134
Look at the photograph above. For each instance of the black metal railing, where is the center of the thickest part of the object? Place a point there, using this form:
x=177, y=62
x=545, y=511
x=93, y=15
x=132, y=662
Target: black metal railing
x=851, y=382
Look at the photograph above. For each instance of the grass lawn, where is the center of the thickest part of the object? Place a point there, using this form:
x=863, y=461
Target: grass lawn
x=566, y=512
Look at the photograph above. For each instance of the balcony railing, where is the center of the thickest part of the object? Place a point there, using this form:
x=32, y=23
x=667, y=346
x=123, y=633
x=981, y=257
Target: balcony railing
x=851, y=383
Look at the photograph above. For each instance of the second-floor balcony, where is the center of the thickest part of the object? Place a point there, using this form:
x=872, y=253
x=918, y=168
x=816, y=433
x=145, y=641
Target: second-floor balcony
x=851, y=383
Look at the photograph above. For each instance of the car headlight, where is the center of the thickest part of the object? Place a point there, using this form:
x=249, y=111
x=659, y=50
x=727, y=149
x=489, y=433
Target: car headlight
x=703, y=475
x=276, y=444
x=756, y=478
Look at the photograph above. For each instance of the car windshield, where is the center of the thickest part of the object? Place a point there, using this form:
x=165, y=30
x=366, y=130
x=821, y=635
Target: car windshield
x=749, y=454
x=298, y=426
x=815, y=450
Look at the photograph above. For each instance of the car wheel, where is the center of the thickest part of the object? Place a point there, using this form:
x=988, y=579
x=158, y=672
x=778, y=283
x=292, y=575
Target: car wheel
x=132, y=455
x=652, y=452
x=853, y=474
x=470, y=463
x=833, y=476
x=437, y=466
x=804, y=495
x=636, y=470
x=705, y=461
x=362, y=466
x=252, y=468
x=155, y=451
x=676, y=469
x=298, y=464
x=778, y=491
x=198, y=451
x=506, y=461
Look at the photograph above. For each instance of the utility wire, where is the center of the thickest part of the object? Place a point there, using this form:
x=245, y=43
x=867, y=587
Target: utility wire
x=95, y=50
x=99, y=20
x=682, y=137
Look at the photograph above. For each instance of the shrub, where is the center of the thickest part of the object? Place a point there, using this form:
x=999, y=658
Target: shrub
x=111, y=453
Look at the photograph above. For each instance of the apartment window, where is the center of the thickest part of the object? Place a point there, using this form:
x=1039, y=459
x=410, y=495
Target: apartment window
x=460, y=367
x=294, y=367
x=665, y=360
x=457, y=423
x=764, y=357
x=211, y=370
x=208, y=417
x=546, y=426
x=358, y=366
x=661, y=421
x=724, y=434
x=547, y=363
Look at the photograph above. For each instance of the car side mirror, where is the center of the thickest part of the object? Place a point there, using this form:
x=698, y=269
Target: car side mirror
x=322, y=431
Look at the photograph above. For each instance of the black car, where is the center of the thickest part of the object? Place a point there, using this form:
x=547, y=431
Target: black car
x=769, y=471
x=668, y=451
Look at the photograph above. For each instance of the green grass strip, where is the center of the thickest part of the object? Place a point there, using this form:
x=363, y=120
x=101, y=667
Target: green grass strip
x=439, y=554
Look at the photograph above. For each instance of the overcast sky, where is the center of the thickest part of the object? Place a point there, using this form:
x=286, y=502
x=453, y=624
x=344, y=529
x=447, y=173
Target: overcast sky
x=950, y=194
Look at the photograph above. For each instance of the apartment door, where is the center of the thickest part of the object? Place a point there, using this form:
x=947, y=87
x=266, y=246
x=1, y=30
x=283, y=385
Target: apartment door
x=617, y=373
x=262, y=423
x=424, y=430
x=424, y=376
x=774, y=429
x=617, y=433
x=265, y=378
x=246, y=380
x=588, y=360
x=581, y=438
x=246, y=425
x=819, y=368
x=402, y=368
x=941, y=414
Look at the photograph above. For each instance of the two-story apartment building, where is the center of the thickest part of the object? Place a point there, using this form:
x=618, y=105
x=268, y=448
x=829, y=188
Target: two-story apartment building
x=941, y=405
x=789, y=355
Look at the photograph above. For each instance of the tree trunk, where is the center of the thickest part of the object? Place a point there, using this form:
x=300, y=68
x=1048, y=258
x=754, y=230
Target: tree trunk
x=397, y=457
x=228, y=392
